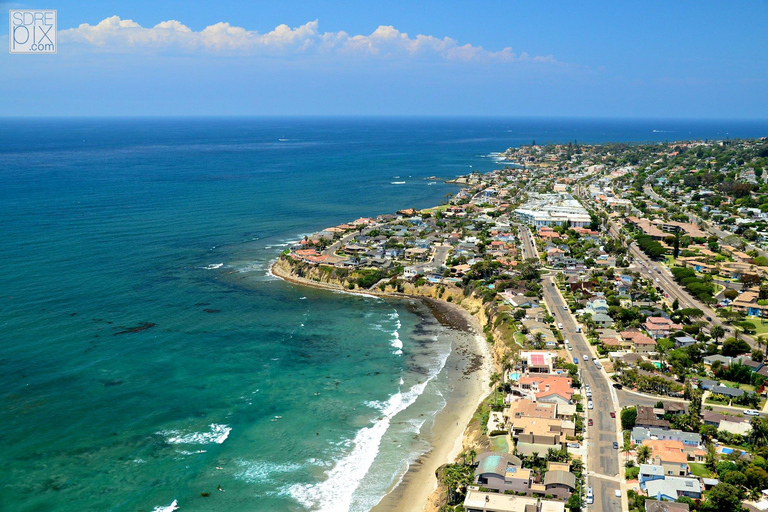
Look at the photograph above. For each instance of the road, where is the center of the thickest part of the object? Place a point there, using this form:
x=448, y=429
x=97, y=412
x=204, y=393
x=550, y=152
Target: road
x=662, y=277
x=529, y=246
x=694, y=219
x=603, y=471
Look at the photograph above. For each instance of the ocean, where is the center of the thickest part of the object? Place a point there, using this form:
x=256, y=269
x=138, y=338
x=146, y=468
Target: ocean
x=148, y=357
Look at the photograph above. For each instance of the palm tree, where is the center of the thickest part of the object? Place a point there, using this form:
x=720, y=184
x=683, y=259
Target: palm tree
x=643, y=454
x=627, y=450
x=759, y=431
x=495, y=378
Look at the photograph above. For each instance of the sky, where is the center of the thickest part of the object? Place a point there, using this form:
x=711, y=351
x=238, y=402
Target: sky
x=649, y=59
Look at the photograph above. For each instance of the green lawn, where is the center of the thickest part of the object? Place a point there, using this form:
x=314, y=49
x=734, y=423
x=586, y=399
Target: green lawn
x=760, y=327
x=520, y=337
x=698, y=469
x=745, y=387
x=499, y=444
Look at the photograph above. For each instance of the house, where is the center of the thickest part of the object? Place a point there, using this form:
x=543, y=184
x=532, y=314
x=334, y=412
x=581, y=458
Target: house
x=602, y=320
x=524, y=408
x=670, y=455
x=477, y=501
x=537, y=362
x=649, y=472
x=675, y=408
x=548, y=388
x=660, y=327
x=597, y=306
x=502, y=472
x=672, y=488
x=689, y=439
x=559, y=481
x=684, y=341
x=727, y=392
x=519, y=300
x=642, y=343
x=754, y=366
x=725, y=361
x=714, y=418
x=647, y=417
x=411, y=272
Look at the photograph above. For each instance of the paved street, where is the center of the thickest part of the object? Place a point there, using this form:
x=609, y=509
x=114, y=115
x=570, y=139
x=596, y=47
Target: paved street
x=602, y=458
x=602, y=461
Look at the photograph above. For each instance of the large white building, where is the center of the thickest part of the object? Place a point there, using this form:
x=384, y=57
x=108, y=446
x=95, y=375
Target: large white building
x=553, y=209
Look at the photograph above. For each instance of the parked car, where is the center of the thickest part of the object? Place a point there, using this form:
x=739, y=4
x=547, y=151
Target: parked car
x=575, y=360
x=617, y=493
x=617, y=385
x=560, y=326
x=565, y=307
x=590, y=422
x=613, y=414
x=615, y=445
x=590, y=496
x=752, y=412
x=589, y=405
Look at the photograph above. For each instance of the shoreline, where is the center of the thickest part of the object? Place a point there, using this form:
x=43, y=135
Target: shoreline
x=415, y=491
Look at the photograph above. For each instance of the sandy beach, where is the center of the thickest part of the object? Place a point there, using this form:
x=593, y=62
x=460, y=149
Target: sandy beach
x=469, y=367
x=419, y=483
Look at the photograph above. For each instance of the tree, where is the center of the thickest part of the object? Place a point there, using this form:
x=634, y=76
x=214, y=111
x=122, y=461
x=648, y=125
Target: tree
x=723, y=498
x=574, y=502
x=730, y=294
x=717, y=332
x=643, y=453
x=628, y=417
x=733, y=347
x=759, y=435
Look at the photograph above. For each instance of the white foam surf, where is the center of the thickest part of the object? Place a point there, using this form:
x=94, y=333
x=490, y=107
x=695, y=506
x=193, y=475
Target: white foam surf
x=214, y=266
x=396, y=343
x=397, y=183
x=337, y=492
x=218, y=435
x=261, y=471
x=169, y=508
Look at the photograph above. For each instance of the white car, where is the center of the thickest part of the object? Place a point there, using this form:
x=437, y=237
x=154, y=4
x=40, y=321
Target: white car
x=752, y=412
x=586, y=357
x=617, y=493
x=589, y=405
x=565, y=307
x=570, y=347
x=560, y=326
x=590, y=496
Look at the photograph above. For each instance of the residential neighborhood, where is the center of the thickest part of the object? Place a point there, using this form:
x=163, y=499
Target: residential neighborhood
x=623, y=291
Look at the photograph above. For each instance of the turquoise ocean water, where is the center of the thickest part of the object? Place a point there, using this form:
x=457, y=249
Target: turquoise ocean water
x=148, y=357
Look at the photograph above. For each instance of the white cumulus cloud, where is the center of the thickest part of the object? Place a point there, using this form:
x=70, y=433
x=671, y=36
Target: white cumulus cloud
x=116, y=34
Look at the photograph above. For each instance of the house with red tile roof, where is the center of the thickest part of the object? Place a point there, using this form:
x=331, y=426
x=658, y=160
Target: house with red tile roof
x=660, y=327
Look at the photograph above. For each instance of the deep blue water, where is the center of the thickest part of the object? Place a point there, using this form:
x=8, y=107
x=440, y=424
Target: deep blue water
x=110, y=225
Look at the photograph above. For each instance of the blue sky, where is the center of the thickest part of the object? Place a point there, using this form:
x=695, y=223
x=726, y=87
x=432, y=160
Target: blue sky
x=694, y=59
